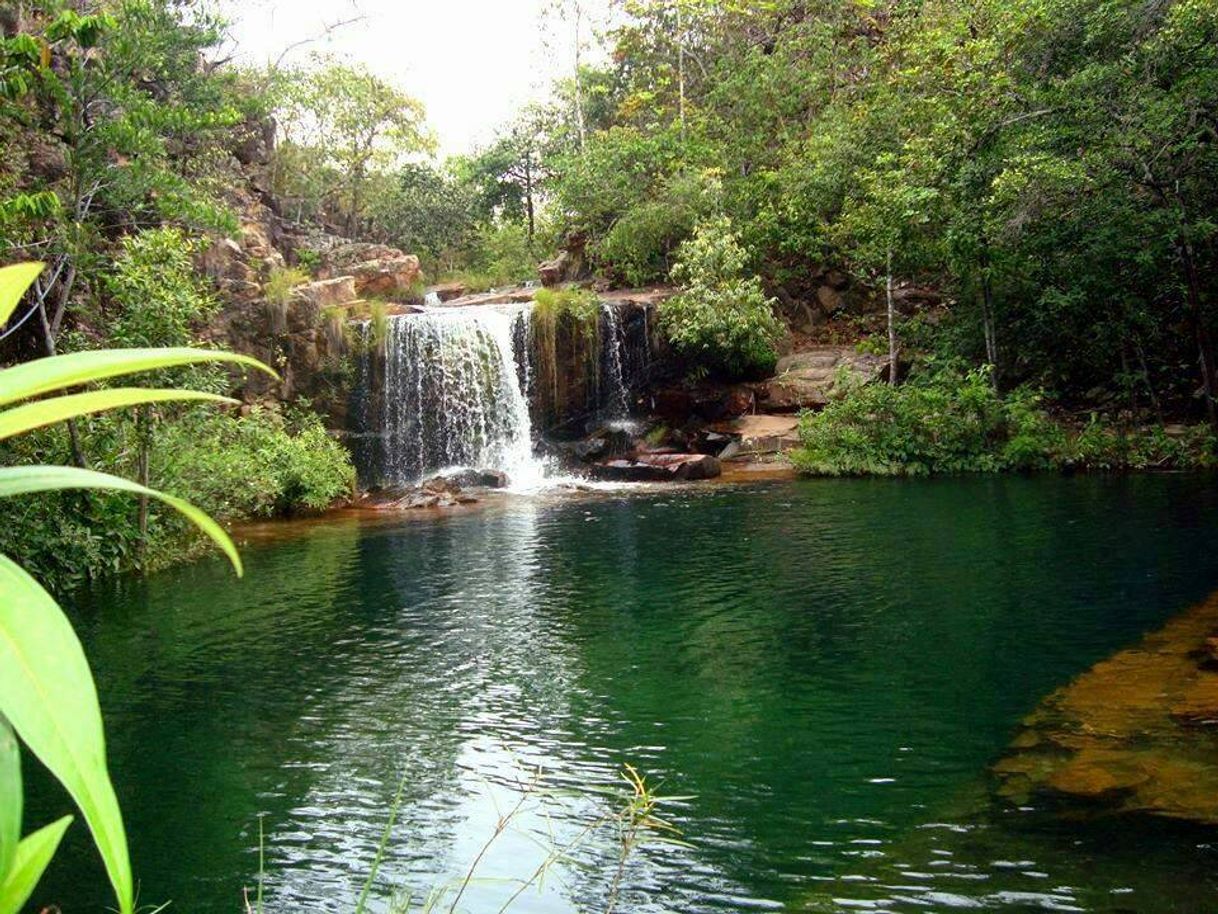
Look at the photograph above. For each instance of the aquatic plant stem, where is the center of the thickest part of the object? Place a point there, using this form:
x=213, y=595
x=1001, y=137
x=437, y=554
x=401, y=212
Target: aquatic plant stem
x=380, y=850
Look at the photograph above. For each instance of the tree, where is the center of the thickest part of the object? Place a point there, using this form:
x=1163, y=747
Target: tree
x=349, y=124
x=507, y=175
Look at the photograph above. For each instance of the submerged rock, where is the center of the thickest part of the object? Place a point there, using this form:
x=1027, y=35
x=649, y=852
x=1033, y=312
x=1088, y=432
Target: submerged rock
x=1134, y=734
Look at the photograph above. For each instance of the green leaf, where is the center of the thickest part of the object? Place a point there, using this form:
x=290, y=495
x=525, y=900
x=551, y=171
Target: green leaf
x=47, y=412
x=10, y=797
x=25, y=480
x=30, y=379
x=14, y=281
x=33, y=856
x=47, y=693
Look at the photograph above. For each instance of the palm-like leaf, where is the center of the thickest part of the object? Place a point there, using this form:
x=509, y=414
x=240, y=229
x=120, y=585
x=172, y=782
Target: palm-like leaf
x=47, y=693
x=39, y=413
x=33, y=855
x=14, y=281
x=41, y=376
x=27, y=480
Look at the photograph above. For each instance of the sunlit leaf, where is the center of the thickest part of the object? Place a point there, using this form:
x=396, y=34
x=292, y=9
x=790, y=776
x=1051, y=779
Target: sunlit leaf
x=31, y=379
x=47, y=412
x=10, y=796
x=14, y=281
x=26, y=480
x=33, y=855
x=47, y=693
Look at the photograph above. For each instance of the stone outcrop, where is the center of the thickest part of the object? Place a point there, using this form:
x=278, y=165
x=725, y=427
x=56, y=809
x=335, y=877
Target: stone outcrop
x=809, y=379
x=570, y=265
x=757, y=436
x=328, y=293
x=378, y=270
x=1135, y=734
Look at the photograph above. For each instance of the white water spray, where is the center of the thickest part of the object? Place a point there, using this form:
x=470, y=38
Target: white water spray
x=453, y=398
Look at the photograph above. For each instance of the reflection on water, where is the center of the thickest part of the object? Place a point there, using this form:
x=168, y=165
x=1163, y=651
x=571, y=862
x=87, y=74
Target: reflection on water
x=828, y=667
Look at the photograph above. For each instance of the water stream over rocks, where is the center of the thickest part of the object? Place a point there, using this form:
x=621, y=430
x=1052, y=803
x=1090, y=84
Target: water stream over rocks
x=473, y=387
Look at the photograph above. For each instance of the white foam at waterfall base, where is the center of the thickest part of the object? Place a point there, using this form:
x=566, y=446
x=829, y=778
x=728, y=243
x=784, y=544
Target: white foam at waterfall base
x=453, y=399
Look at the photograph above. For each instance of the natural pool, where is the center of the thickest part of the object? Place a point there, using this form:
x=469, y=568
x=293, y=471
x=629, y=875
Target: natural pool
x=827, y=668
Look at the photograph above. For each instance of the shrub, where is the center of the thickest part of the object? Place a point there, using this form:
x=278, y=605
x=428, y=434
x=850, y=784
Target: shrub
x=260, y=465
x=159, y=295
x=643, y=238
x=946, y=423
x=721, y=322
x=950, y=421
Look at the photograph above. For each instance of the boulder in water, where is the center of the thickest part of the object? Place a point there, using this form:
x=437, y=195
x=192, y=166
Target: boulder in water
x=437, y=492
x=478, y=479
x=659, y=468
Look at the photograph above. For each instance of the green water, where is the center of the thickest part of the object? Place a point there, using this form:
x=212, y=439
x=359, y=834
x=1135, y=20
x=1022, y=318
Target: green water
x=827, y=668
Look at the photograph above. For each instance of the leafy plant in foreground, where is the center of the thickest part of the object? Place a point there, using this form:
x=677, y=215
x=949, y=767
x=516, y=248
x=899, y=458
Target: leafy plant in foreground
x=47, y=696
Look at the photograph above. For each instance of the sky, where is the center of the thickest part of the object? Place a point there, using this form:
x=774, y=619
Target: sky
x=472, y=63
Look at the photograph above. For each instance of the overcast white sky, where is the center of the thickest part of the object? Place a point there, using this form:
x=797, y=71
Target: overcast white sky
x=471, y=62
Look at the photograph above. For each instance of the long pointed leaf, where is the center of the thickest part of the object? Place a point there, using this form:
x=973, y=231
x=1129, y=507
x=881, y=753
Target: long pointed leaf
x=33, y=855
x=10, y=797
x=14, y=281
x=47, y=693
x=32, y=379
x=24, y=480
x=34, y=415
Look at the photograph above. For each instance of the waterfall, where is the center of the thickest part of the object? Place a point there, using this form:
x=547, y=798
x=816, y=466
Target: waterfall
x=452, y=397
x=432, y=300
x=617, y=400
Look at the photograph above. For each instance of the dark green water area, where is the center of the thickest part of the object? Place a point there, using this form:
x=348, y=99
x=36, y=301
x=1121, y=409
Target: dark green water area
x=824, y=670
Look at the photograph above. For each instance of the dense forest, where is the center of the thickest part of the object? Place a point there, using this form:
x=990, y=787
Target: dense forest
x=1015, y=200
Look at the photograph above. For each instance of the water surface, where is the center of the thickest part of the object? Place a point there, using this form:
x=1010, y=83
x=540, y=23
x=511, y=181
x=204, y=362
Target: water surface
x=825, y=667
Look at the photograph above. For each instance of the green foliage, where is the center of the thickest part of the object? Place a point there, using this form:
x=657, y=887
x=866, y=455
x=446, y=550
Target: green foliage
x=721, y=321
x=949, y=421
x=428, y=211
x=160, y=296
x=501, y=256
x=47, y=696
x=344, y=126
x=263, y=464
x=580, y=305
x=281, y=283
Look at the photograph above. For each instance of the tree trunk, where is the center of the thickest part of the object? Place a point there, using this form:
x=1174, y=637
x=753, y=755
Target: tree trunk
x=681, y=67
x=987, y=315
x=1205, y=344
x=579, y=87
x=892, y=326
x=530, y=209
x=48, y=342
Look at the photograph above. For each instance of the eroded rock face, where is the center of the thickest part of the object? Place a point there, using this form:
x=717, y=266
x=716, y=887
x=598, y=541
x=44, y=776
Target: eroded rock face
x=809, y=379
x=328, y=293
x=1136, y=733
x=377, y=269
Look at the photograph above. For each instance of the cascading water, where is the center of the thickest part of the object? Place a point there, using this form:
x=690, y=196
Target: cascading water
x=617, y=398
x=451, y=396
